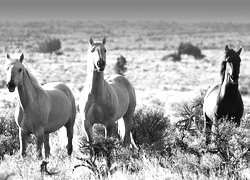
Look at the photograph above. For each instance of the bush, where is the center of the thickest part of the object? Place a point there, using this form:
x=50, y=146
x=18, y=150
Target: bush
x=150, y=128
x=120, y=65
x=185, y=48
x=50, y=45
x=224, y=159
x=2, y=83
x=174, y=56
x=9, y=139
x=190, y=49
x=191, y=113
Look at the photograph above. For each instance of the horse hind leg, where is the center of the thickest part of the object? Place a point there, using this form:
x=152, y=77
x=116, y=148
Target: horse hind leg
x=128, y=121
x=46, y=145
x=88, y=131
x=70, y=131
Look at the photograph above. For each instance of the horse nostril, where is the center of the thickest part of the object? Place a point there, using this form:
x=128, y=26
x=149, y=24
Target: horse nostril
x=235, y=77
x=10, y=84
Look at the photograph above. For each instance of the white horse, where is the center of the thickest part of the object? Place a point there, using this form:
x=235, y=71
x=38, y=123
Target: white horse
x=41, y=109
x=106, y=100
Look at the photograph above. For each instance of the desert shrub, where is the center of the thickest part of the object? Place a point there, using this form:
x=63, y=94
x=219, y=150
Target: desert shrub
x=9, y=140
x=224, y=159
x=190, y=113
x=190, y=49
x=106, y=156
x=244, y=90
x=150, y=128
x=176, y=56
x=185, y=48
x=2, y=83
x=50, y=45
x=120, y=65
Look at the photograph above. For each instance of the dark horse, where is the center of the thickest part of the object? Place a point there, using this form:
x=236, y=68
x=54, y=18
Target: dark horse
x=224, y=100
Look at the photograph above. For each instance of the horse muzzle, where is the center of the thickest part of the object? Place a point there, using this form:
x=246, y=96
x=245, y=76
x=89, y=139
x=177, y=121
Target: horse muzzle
x=101, y=69
x=233, y=80
x=101, y=65
x=11, y=86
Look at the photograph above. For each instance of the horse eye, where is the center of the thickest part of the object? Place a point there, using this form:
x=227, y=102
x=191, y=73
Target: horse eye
x=93, y=50
x=20, y=70
x=105, y=50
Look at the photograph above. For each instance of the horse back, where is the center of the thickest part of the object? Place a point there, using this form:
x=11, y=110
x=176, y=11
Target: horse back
x=121, y=86
x=58, y=92
x=123, y=92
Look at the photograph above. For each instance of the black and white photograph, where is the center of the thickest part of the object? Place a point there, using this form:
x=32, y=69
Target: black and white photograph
x=124, y=89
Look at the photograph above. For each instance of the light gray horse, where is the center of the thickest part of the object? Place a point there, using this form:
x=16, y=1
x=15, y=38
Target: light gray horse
x=106, y=100
x=41, y=109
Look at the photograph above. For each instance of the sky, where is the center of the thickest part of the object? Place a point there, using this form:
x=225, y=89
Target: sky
x=166, y=10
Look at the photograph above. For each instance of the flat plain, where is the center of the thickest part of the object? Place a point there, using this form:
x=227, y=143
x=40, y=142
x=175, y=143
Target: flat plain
x=157, y=82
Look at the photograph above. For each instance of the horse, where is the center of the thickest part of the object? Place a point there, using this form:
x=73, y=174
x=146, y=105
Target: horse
x=106, y=99
x=224, y=100
x=41, y=109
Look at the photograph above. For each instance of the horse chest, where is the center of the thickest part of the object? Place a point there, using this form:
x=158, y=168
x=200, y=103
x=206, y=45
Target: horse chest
x=231, y=108
x=99, y=113
x=29, y=120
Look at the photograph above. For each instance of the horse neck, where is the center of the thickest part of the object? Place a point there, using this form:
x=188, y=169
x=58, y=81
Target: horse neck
x=96, y=84
x=228, y=90
x=28, y=94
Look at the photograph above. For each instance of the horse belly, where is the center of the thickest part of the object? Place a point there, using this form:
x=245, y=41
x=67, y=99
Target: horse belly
x=60, y=112
x=121, y=100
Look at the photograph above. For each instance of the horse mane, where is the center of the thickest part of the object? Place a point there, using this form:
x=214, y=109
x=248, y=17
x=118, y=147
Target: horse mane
x=222, y=70
x=33, y=79
x=228, y=54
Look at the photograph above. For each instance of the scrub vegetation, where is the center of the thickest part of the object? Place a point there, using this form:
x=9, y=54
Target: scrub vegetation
x=168, y=122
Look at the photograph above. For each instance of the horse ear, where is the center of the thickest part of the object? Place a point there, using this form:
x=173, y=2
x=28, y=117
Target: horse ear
x=104, y=40
x=8, y=56
x=239, y=51
x=21, y=58
x=226, y=48
x=91, y=41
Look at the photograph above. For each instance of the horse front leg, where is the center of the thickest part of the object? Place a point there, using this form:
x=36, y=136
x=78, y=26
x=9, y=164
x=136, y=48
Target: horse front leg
x=207, y=128
x=46, y=145
x=215, y=131
x=39, y=141
x=111, y=130
x=23, y=141
x=88, y=130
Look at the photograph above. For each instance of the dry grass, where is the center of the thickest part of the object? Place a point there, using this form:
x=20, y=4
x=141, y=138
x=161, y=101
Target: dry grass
x=157, y=82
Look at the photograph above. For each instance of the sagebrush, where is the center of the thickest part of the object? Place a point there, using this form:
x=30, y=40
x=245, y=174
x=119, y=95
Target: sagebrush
x=9, y=139
x=49, y=45
x=120, y=66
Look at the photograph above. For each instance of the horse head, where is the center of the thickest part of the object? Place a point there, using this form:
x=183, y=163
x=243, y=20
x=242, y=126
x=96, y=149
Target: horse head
x=14, y=71
x=97, y=54
x=231, y=64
